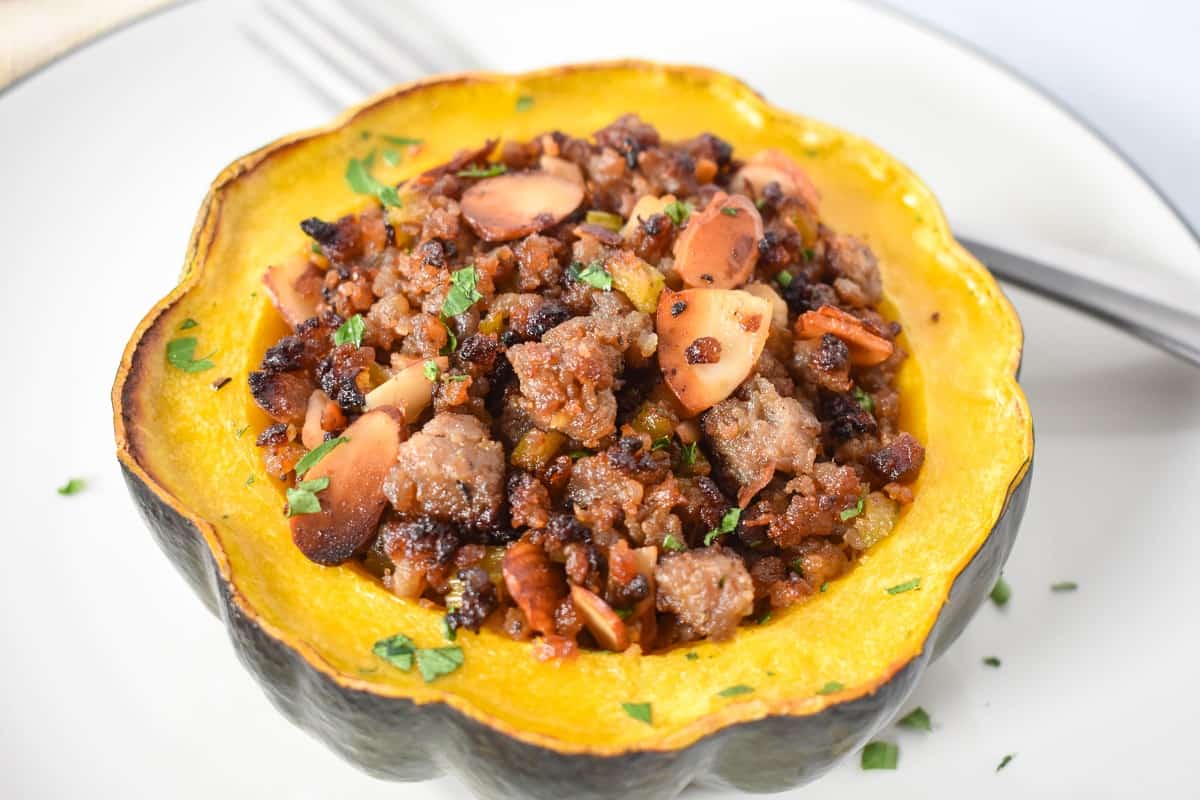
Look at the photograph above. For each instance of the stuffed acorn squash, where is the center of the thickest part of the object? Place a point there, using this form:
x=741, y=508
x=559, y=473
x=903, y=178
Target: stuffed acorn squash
x=808, y=686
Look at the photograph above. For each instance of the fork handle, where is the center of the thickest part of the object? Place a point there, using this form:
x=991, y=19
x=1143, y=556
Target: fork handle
x=1170, y=329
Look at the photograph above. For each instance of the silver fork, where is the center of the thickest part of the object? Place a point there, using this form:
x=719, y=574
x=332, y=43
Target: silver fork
x=330, y=53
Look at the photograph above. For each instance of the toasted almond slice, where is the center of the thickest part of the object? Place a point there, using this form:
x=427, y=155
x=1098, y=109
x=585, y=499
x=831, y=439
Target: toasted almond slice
x=646, y=207
x=738, y=320
x=354, y=500
x=408, y=389
x=779, y=309
x=643, y=622
x=508, y=207
x=312, y=434
x=719, y=246
x=600, y=619
x=866, y=348
x=295, y=288
x=535, y=584
x=774, y=166
x=560, y=167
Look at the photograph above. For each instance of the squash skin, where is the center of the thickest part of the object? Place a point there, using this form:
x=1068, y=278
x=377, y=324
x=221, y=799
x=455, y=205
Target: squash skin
x=400, y=738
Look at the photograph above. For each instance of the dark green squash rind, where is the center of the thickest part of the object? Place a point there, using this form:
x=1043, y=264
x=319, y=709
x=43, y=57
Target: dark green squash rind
x=395, y=739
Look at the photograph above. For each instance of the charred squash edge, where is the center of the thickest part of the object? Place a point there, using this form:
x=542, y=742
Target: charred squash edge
x=415, y=735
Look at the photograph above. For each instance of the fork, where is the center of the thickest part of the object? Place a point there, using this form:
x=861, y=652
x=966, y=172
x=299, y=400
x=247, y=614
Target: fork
x=330, y=55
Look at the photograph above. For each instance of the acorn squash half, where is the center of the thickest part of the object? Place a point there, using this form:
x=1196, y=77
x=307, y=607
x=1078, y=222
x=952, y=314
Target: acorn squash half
x=506, y=724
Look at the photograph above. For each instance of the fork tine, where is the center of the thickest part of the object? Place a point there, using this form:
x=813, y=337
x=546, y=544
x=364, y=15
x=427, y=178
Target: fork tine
x=292, y=69
x=316, y=49
x=385, y=72
x=461, y=58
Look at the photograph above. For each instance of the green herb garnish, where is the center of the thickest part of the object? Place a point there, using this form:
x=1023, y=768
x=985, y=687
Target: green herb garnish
x=854, y=511
x=358, y=175
x=1004, y=762
x=396, y=650
x=797, y=566
x=451, y=341
x=991, y=661
x=673, y=544
x=448, y=632
x=692, y=656
x=865, y=401
x=639, y=711
x=907, y=586
x=880, y=755
x=433, y=662
x=303, y=499
x=1001, y=592
x=678, y=211
x=316, y=454
x=401, y=141
x=830, y=688
x=524, y=103
x=1064, y=586
x=688, y=453
x=784, y=279
x=351, y=331
x=760, y=203
x=72, y=486
x=764, y=618
x=824, y=586
x=734, y=691
x=431, y=371
x=188, y=324
x=594, y=275
x=809, y=254
x=490, y=171
x=181, y=354
x=238, y=433
x=250, y=481
x=463, y=292
x=917, y=720
x=392, y=157
x=729, y=211
x=728, y=525
x=578, y=454
x=661, y=443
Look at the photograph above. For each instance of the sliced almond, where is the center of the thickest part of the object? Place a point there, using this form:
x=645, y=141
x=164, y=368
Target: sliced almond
x=719, y=247
x=866, y=347
x=779, y=309
x=646, y=207
x=738, y=320
x=408, y=389
x=354, y=500
x=312, y=434
x=295, y=288
x=600, y=619
x=769, y=166
x=534, y=583
x=508, y=207
x=643, y=622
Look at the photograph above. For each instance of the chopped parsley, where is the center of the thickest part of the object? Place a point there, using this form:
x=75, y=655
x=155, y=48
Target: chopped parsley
x=351, y=331
x=457, y=378
x=729, y=211
x=907, y=586
x=737, y=689
x=401, y=141
x=250, y=481
x=391, y=157
x=188, y=324
x=830, y=688
x=678, y=212
x=181, y=354
x=1004, y=762
x=451, y=341
x=809, y=254
x=1064, y=586
x=639, y=711
x=1001, y=592
x=688, y=452
x=797, y=566
x=692, y=656
x=760, y=203
x=784, y=279
x=490, y=171
x=728, y=525
x=991, y=661
x=72, y=486
x=316, y=454
x=673, y=544
x=316, y=248
x=463, y=292
x=303, y=499
x=594, y=275
x=865, y=401
x=917, y=720
x=432, y=662
x=448, y=631
x=824, y=586
x=240, y=431
x=853, y=511
x=358, y=175
x=661, y=443
x=524, y=103
x=578, y=454
x=764, y=618
x=880, y=755
x=430, y=368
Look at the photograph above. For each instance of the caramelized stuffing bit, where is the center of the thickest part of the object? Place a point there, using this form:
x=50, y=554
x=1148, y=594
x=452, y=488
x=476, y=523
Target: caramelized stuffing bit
x=603, y=392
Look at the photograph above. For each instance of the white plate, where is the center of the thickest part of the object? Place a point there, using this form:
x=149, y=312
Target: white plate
x=116, y=682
